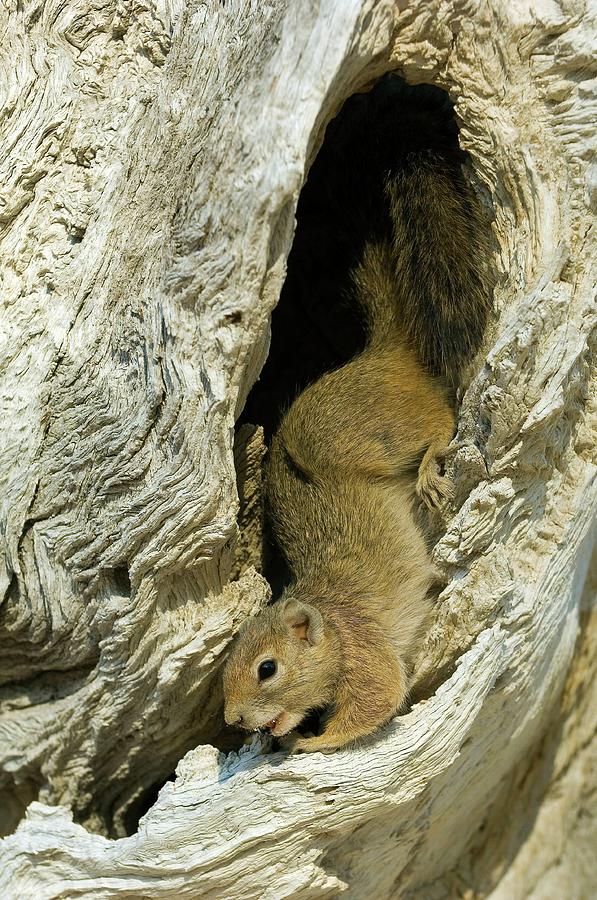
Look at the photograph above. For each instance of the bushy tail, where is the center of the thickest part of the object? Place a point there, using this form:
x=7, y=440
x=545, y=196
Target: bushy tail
x=428, y=281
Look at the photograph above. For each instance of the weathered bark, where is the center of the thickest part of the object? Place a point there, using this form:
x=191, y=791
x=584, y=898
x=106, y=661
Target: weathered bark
x=152, y=156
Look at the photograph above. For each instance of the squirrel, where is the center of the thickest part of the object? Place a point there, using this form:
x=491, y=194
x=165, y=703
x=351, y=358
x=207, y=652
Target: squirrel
x=361, y=447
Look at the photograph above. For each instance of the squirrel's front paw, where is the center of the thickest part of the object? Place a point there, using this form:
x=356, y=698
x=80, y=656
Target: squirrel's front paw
x=296, y=743
x=293, y=742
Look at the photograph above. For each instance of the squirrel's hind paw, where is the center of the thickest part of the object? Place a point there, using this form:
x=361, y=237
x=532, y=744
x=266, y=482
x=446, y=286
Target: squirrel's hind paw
x=433, y=488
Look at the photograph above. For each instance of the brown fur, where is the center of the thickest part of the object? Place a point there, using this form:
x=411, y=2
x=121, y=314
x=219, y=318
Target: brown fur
x=350, y=458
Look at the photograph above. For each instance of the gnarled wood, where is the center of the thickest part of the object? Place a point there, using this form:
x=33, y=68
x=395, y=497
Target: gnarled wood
x=151, y=156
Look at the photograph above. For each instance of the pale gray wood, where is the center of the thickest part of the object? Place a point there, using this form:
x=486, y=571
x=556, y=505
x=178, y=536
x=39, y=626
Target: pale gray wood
x=151, y=156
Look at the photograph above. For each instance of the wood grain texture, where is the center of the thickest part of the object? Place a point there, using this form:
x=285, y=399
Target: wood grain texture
x=151, y=156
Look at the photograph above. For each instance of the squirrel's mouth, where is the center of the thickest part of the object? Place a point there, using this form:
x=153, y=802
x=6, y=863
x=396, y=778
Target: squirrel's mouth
x=279, y=725
x=270, y=726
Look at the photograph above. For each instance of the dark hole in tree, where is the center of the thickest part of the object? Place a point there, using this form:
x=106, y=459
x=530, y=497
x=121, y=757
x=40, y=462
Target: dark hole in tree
x=315, y=326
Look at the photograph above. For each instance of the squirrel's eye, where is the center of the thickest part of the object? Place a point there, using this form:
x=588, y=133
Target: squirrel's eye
x=266, y=669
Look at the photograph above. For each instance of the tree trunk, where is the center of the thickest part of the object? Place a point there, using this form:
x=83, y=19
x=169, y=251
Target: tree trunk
x=152, y=156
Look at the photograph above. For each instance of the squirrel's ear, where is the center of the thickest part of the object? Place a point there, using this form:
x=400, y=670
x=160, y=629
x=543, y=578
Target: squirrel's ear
x=304, y=621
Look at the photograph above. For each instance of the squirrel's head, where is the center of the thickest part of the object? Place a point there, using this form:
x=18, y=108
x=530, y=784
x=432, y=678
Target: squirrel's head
x=273, y=676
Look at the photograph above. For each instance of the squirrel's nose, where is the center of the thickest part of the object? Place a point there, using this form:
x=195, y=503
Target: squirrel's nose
x=231, y=717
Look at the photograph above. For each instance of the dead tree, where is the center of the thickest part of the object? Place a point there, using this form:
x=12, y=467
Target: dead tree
x=152, y=157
